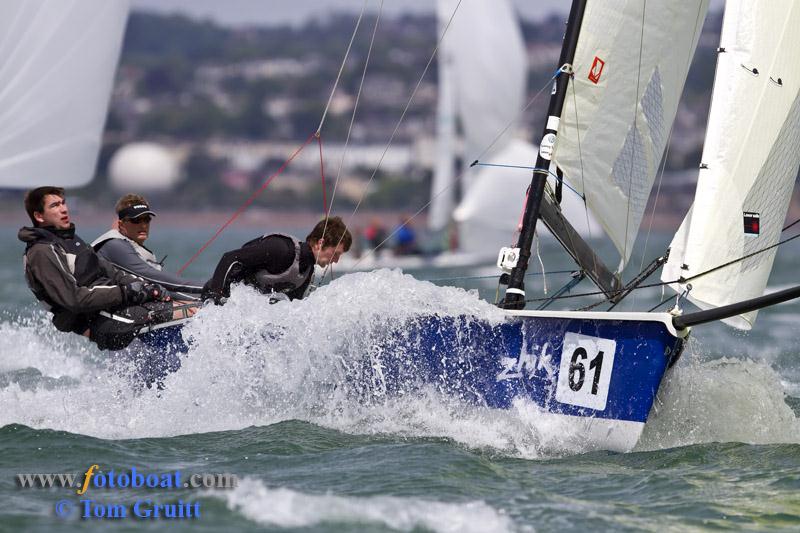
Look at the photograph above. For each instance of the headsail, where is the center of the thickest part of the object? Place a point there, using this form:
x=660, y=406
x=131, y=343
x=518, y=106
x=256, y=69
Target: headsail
x=57, y=63
x=750, y=159
x=630, y=66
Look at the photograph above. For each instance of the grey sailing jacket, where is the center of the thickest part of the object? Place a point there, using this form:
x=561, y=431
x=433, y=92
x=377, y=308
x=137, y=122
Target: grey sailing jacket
x=130, y=256
x=72, y=281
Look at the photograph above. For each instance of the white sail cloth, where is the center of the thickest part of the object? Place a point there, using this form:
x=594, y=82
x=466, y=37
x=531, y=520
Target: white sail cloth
x=630, y=66
x=57, y=63
x=483, y=76
x=750, y=158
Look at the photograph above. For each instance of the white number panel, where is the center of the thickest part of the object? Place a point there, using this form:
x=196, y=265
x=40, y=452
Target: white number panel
x=585, y=371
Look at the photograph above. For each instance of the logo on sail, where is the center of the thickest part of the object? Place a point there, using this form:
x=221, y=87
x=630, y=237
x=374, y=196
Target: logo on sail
x=597, y=70
x=752, y=223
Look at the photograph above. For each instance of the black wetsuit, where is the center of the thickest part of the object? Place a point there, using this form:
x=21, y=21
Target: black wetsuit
x=289, y=269
x=84, y=291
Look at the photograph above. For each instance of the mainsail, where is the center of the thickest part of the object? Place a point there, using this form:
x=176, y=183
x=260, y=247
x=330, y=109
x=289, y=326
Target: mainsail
x=57, y=63
x=750, y=158
x=630, y=66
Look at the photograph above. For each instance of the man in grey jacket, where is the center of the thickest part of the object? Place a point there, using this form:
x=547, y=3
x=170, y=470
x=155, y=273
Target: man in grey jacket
x=124, y=247
x=85, y=293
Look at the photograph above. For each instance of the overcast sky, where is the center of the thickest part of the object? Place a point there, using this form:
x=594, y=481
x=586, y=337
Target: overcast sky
x=237, y=12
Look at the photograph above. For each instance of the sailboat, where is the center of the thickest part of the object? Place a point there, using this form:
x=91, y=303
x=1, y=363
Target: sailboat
x=623, y=66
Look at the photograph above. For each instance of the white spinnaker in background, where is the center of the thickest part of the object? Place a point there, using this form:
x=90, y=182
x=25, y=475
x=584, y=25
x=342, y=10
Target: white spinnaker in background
x=57, y=64
x=630, y=66
x=752, y=151
x=482, y=87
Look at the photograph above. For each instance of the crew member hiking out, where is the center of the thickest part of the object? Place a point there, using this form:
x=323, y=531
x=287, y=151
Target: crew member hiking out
x=279, y=264
x=84, y=292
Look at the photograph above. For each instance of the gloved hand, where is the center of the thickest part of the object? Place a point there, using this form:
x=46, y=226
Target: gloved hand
x=139, y=292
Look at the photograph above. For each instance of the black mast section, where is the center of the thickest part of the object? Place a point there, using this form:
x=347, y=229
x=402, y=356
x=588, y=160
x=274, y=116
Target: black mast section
x=515, y=294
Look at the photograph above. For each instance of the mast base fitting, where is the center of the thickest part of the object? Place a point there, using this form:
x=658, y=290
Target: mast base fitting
x=515, y=300
x=507, y=259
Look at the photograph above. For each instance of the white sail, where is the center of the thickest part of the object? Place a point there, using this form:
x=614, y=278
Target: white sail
x=482, y=87
x=750, y=158
x=630, y=66
x=443, y=193
x=57, y=63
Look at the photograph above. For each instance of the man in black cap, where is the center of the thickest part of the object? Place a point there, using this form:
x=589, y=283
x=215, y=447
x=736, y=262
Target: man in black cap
x=124, y=247
x=84, y=292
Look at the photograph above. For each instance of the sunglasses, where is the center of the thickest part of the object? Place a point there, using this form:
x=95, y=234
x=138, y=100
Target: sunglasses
x=144, y=219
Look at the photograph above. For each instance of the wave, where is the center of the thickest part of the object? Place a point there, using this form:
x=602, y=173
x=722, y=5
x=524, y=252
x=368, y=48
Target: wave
x=284, y=507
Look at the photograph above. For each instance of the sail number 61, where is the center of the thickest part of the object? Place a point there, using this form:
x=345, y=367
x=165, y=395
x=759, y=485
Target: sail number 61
x=577, y=372
x=585, y=370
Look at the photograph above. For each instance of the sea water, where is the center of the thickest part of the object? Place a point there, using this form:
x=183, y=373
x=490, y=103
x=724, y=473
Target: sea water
x=262, y=395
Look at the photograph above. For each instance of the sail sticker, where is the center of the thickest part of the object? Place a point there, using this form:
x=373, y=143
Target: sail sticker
x=585, y=371
x=597, y=70
x=546, y=146
x=752, y=223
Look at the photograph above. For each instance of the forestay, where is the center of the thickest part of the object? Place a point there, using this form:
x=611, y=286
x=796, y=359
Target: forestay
x=750, y=159
x=57, y=63
x=630, y=66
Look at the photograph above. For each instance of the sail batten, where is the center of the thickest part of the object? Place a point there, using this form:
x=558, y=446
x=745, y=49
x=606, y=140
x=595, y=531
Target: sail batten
x=621, y=103
x=750, y=159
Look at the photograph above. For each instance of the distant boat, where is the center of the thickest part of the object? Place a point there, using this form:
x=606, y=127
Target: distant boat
x=483, y=76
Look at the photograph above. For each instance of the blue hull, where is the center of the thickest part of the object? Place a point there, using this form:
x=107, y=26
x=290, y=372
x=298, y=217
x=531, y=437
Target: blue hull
x=161, y=354
x=567, y=363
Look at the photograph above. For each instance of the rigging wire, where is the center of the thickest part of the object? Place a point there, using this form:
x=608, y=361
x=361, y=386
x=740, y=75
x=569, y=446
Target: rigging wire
x=690, y=278
x=341, y=67
x=397, y=127
x=352, y=121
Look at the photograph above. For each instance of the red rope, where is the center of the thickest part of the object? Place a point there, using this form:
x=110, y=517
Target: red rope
x=322, y=175
x=249, y=201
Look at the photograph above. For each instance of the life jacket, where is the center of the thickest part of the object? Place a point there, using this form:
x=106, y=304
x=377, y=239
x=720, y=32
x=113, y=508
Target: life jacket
x=143, y=252
x=290, y=279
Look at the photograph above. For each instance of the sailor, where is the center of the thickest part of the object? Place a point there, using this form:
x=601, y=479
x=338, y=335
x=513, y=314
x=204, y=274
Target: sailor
x=278, y=264
x=84, y=292
x=124, y=247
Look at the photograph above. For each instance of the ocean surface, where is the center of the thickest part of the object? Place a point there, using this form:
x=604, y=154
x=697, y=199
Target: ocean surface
x=721, y=450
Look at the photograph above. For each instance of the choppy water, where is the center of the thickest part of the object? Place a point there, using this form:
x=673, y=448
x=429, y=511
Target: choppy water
x=721, y=451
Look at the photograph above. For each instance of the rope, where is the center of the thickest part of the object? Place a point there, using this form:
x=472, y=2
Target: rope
x=247, y=203
x=341, y=67
x=322, y=177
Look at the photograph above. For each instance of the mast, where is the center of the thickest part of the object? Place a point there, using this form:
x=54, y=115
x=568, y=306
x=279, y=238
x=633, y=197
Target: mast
x=515, y=293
